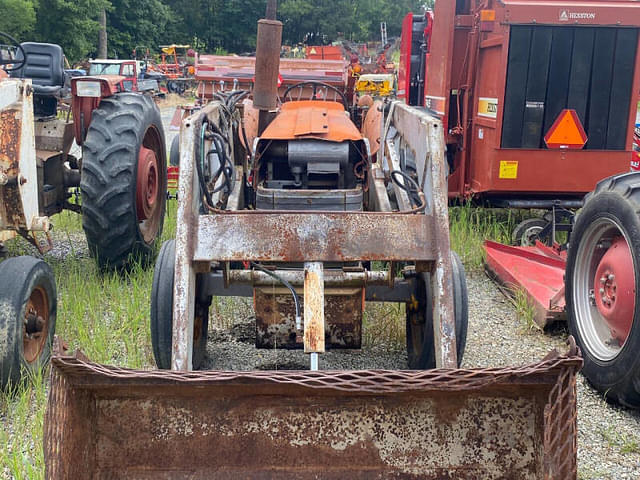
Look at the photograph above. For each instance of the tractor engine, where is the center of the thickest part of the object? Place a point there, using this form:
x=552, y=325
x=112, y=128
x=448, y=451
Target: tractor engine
x=317, y=165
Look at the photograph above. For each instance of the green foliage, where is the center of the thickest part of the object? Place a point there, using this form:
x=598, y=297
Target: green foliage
x=133, y=23
x=18, y=17
x=72, y=24
x=208, y=25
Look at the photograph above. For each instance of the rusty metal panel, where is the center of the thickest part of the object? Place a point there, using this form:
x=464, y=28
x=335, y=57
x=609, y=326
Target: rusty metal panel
x=298, y=237
x=18, y=173
x=275, y=318
x=514, y=422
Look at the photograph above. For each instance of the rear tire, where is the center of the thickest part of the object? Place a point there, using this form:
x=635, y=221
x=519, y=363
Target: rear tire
x=162, y=312
x=419, y=317
x=611, y=360
x=124, y=186
x=27, y=317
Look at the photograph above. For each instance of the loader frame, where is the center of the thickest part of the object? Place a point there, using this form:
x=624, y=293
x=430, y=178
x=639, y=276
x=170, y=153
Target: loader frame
x=290, y=236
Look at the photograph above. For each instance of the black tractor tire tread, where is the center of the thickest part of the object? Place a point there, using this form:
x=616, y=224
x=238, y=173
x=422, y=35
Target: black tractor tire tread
x=174, y=152
x=109, y=177
x=18, y=278
x=619, y=379
x=162, y=311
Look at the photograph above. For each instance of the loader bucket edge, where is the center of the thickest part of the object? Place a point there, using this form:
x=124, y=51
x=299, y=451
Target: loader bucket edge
x=514, y=422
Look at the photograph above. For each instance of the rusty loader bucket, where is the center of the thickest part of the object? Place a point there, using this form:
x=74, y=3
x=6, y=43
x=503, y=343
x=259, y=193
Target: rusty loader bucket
x=111, y=423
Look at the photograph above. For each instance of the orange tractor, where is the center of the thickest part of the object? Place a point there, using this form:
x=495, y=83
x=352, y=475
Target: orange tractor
x=310, y=216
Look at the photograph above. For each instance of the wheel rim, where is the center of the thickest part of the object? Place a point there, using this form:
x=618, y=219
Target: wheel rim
x=147, y=185
x=35, y=325
x=150, y=185
x=604, y=289
x=529, y=236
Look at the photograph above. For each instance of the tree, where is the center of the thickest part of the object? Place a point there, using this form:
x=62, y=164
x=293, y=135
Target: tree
x=72, y=24
x=137, y=23
x=18, y=18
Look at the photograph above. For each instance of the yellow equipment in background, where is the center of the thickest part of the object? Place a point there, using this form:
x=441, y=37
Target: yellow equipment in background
x=375, y=84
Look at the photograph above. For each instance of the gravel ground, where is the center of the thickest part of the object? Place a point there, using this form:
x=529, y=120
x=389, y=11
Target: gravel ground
x=609, y=436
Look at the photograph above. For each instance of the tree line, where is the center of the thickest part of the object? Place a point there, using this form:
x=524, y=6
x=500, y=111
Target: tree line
x=208, y=25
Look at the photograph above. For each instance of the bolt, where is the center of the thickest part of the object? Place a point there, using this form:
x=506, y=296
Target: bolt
x=22, y=180
x=601, y=291
x=611, y=277
x=603, y=280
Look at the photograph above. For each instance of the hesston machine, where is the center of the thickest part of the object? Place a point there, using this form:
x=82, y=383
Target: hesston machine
x=539, y=101
x=307, y=214
x=121, y=179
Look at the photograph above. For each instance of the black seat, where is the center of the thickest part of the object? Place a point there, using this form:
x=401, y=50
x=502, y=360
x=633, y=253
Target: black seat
x=45, y=68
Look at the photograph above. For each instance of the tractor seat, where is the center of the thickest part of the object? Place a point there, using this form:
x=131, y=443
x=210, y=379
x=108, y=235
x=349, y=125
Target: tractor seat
x=45, y=68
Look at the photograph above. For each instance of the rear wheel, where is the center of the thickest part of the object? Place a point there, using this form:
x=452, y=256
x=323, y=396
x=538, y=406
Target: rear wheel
x=124, y=180
x=603, y=270
x=27, y=317
x=162, y=312
x=419, y=316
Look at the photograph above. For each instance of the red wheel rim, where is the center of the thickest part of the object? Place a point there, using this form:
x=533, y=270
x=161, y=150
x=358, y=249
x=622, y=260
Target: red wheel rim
x=147, y=185
x=614, y=289
x=35, y=325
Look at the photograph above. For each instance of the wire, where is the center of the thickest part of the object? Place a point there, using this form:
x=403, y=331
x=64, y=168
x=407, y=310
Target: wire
x=410, y=191
x=296, y=300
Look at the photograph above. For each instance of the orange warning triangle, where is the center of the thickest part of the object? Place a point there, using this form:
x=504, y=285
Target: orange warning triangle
x=566, y=131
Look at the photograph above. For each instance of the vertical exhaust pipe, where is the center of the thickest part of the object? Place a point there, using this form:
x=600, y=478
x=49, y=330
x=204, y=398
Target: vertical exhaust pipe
x=268, y=46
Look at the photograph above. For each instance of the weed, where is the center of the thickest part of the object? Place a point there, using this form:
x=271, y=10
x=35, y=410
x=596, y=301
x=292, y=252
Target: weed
x=525, y=310
x=383, y=324
x=620, y=441
x=470, y=226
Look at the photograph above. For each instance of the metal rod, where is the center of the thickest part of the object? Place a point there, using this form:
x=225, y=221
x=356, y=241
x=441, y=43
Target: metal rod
x=314, y=328
x=272, y=8
x=337, y=278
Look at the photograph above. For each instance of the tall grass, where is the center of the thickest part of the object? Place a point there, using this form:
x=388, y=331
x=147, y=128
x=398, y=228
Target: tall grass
x=470, y=226
x=106, y=315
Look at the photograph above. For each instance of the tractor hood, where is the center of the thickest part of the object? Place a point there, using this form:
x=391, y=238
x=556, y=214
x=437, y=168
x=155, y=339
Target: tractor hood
x=317, y=119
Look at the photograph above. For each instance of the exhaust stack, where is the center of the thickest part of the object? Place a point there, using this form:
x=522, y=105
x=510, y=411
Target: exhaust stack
x=268, y=46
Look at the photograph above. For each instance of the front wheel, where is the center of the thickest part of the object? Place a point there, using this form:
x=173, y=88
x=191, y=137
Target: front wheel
x=27, y=317
x=603, y=271
x=162, y=312
x=419, y=318
x=124, y=180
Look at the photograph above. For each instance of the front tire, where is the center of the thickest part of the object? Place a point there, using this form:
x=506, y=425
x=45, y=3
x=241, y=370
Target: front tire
x=603, y=271
x=124, y=180
x=162, y=312
x=27, y=317
x=419, y=318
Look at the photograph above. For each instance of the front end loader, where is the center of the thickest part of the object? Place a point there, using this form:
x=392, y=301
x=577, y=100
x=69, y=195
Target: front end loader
x=301, y=214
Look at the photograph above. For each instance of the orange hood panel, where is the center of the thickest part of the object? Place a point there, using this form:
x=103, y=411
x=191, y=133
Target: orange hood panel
x=317, y=119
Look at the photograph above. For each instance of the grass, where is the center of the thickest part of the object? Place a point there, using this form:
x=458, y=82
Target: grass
x=106, y=316
x=620, y=441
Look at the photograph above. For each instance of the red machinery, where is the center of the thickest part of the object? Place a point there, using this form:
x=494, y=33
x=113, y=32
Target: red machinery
x=539, y=99
x=501, y=73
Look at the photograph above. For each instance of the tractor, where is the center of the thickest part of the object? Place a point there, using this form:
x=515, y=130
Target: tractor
x=297, y=211
x=121, y=179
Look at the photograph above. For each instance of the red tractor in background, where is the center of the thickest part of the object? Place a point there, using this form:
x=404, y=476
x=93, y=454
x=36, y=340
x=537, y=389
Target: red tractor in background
x=539, y=101
x=121, y=177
